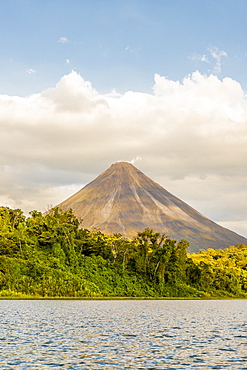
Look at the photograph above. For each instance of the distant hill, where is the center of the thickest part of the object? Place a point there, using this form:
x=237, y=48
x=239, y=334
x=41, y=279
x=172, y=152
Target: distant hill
x=124, y=200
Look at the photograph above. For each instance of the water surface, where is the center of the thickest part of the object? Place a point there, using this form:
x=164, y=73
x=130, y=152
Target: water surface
x=138, y=334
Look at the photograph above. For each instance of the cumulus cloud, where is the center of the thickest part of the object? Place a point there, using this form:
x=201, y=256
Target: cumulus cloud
x=191, y=136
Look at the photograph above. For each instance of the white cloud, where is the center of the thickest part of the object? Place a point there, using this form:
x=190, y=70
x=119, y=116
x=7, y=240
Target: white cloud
x=199, y=58
x=63, y=40
x=217, y=55
x=73, y=94
x=136, y=159
x=191, y=136
x=214, y=58
x=30, y=71
x=133, y=50
x=67, y=61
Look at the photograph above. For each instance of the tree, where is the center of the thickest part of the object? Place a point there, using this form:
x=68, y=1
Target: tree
x=147, y=242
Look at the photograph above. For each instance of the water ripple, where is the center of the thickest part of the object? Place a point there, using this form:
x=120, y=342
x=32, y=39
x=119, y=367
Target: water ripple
x=123, y=335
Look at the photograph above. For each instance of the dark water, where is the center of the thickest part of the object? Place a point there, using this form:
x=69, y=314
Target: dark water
x=123, y=334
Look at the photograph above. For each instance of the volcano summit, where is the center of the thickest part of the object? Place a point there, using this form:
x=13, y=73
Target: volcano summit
x=124, y=200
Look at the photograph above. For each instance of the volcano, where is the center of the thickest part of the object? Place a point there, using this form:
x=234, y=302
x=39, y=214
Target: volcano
x=124, y=200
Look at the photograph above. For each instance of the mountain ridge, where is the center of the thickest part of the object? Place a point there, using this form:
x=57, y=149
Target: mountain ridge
x=124, y=200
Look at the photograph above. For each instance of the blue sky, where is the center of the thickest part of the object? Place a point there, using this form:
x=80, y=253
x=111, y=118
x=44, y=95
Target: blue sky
x=118, y=44
x=162, y=83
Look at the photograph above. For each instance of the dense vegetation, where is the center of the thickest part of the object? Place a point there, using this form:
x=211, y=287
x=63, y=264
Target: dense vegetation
x=51, y=256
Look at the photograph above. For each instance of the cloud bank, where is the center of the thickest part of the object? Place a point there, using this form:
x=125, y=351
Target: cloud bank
x=190, y=135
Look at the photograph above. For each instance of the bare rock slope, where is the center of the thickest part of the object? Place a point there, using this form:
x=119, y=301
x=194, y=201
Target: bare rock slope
x=124, y=200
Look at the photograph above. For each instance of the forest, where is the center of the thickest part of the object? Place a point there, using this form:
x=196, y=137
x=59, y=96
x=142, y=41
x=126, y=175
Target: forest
x=51, y=256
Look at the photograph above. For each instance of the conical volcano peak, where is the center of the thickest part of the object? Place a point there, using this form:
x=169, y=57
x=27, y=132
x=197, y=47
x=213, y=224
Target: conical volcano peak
x=119, y=173
x=123, y=166
x=124, y=200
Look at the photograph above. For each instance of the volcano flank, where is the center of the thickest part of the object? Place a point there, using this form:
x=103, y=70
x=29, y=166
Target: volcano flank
x=124, y=200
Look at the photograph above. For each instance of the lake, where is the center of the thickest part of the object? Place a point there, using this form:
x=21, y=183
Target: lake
x=123, y=334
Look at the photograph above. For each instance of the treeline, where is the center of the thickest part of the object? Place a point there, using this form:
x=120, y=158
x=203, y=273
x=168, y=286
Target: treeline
x=52, y=256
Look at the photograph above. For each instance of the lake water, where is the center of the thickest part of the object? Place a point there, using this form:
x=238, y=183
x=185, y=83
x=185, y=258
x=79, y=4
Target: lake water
x=155, y=334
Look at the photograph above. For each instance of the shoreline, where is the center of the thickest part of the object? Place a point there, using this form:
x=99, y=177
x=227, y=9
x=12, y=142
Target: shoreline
x=31, y=298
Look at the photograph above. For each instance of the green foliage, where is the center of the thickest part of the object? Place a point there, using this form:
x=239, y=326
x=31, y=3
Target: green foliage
x=51, y=256
x=222, y=272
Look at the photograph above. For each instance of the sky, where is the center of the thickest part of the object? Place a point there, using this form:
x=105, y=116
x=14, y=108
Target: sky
x=161, y=84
